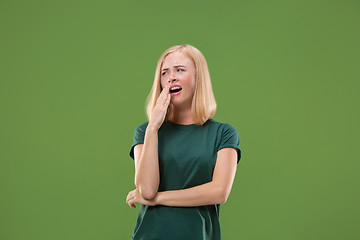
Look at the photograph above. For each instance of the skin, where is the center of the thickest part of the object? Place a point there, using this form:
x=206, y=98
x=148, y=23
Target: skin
x=146, y=155
x=177, y=69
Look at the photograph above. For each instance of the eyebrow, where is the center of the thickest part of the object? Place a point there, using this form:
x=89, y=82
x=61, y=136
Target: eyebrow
x=174, y=66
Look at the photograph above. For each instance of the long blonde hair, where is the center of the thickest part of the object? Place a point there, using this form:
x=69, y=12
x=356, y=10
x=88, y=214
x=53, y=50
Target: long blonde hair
x=203, y=105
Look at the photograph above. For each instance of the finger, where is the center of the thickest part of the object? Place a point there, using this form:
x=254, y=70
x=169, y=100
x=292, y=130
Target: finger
x=168, y=100
x=129, y=198
x=163, y=94
x=131, y=203
x=131, y=193
x=167, y=85
x=165, y=90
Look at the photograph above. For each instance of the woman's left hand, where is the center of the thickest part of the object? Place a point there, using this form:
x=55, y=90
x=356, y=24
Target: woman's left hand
x=134, y=196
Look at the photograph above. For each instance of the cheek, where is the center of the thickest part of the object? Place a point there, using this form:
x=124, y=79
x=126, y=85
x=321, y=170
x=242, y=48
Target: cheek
x=192, y=83
x=193, y=90
x=190, y=80
x=162, y=83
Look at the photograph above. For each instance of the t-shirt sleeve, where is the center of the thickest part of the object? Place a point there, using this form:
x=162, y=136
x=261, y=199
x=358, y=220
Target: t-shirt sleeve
x=230, y=139
x=139, y=136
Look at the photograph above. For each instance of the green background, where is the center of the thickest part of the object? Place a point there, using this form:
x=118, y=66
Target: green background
x=75, y=76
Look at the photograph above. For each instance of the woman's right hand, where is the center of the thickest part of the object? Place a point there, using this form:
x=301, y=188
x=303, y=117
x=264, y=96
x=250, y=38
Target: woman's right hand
x=158, y=115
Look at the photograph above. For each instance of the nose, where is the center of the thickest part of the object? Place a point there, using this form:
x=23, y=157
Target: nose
x=172, y=78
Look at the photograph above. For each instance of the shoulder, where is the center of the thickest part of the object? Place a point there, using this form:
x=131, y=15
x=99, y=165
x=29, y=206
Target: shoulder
x=228, y=137
x=141, y=129
x=222, y=127
x=225, y=132
x=142, y=126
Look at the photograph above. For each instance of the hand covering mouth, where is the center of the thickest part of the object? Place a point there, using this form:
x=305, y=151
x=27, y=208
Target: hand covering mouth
x=175, y=89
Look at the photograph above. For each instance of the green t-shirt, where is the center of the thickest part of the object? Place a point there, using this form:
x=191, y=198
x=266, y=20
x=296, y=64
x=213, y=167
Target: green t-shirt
x=187, y=156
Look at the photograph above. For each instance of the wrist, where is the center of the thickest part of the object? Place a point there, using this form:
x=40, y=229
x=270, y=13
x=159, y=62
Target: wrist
x=152, y=128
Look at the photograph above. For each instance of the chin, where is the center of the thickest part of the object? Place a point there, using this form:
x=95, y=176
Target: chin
x=179, y=104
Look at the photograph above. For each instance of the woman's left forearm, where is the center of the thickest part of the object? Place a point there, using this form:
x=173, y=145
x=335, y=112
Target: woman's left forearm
x=205, y=194
x=214, y=192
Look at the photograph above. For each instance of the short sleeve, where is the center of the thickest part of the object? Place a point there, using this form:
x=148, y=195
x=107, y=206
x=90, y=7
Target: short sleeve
x=139, y=136
x=230, y=139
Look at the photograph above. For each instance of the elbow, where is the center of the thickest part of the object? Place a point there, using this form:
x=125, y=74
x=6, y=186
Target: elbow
x=221, y=195
x=147, y=191
x=222, y=198
x=147, y=194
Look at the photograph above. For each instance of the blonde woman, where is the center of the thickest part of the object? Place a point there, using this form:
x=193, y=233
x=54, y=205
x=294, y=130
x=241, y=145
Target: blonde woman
x=185, y=162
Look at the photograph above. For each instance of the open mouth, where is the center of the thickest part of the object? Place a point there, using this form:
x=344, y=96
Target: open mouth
x=175, y=89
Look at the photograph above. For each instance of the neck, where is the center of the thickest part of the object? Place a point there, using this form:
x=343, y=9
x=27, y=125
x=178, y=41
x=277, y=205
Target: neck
x=181, y=116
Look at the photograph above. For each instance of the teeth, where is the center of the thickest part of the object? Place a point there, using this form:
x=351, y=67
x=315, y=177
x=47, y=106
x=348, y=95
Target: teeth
x=174, y=88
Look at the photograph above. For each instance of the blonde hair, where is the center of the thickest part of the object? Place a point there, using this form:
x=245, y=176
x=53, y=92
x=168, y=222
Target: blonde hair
x=203, y=105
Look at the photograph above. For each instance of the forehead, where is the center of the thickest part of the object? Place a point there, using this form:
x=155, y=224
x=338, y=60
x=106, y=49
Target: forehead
x=176, y=58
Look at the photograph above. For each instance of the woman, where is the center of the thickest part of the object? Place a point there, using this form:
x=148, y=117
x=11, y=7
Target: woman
x=185, y=162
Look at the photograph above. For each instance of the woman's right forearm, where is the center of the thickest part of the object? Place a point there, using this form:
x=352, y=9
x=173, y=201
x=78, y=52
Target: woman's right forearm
x=147, y=170
x=147, y=176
